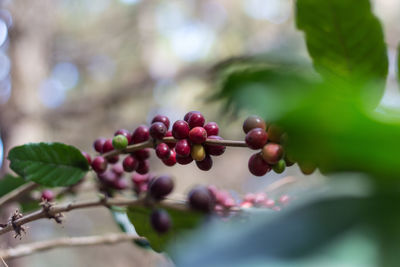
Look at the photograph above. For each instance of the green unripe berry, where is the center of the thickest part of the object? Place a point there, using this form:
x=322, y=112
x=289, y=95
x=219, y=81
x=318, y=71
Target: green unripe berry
x=280, y=166
x=119, y=142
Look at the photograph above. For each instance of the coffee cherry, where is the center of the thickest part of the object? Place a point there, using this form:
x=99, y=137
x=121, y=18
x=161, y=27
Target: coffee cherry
x=98, y=144
x=120, y=142
x=108, y=146
x=257, y=166
x=130, y=164
x=47, y=195
x=170, y=144
x=113, y=159
x=158, y=130
x=196, y=120
x=171, y=161
x=120, y=184
x=280, y=166
x=307, y=167
x=118, y=169
x=107, y=178
x=182, y=148
x=198, y=135
x=205, y=164
x=253, y=122
x=274, y=133
x=142, y=154
x=87, y=156
x=180, y=129
x=211, y=128
x=256, y=138
x=198, y=152
x=183, y=160
x=160, y=221
x=187, y=116
x=141, y=134
x=161, y=118
x=99, y=164
x=140, y=178
x=201, y=199
x=125, y=133
x=163, y=151
x=214, y=150
x=161, y=186
x=272, y=153
x=143, y=167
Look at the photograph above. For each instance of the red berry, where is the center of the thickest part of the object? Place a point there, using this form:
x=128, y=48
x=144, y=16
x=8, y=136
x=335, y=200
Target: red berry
x=99, y=164
x=214, y=150
x=98, y=144
x=256, y=138
x=211, y=128
x=141, y=134
x=184, y=160
x=118, y=169
x=253, y=122
x=201, y=199
x=113, y=159
x=196, y=120
x=257, y=166
x=158, y=130
x=187, y=116
x=180, y=129
x=182, y=148
x=171, y=161
x=160, y=221
x=205, y=164
x=130, y=164
x=142, y=154
x=125, y=133
x=143, y=167
x=161, y=118
x=161, y=186
x=163, y=151
x=140, y=178
x=198, y=135
x=170, y=144
x=87, y=156
x=47, y=195
x=272, y=153
x=107, y=146
x=120, y=184
x=107, y=177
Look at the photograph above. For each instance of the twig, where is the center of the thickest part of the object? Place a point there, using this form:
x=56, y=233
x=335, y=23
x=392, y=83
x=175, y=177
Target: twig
x=28, y=249
x=17, y=193
x=5, y=264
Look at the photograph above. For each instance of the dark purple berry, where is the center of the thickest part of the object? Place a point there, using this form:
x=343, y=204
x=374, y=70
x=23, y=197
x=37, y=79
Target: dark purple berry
x=257, y=166
x=182, y=148
x=184, y=160
x=214, y=150
x=108, y=146
x=125, y=133
x=98, y=144
x=142, y=154
x=130, y=163
x=99, y=164
x=180, y=129
x=47, y=195
x=161, y=186
x=160, y=221
x=253, y=122
x=196, y=120
x=158, y=130
x=272, y=153
x=141, y=134
x=163, y=151
x=205, y=164
x=211, y=128
x=198, y=135
x=87, y=156
x=187, y=115
x=171, y=161
x=201, y=199
x=256, y=138
x=113, y=159
x=143, y=167
x=161, y=118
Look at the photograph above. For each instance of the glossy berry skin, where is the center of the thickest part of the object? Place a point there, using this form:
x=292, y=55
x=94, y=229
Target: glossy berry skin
x=215, y=150
x=256, y=138
x=201, y=199
x=160, y=221
x=108, y=146
x=161, y=118
x=163, y=151
x=161, y=186
x=120, y=142
x=272, y=153
x=130, y=164
x=211, y=128
x=187, y=115
x=99, y=164
x=253, y=122
x=142, y=154
x=143, y=167
x=141, y=134
x=280, y=166
x=274, y=133
x=198, y=135
x=125, y=133
x=257, y=166
x=158, y=130
x=98, y=144
x=182, y=148
x=120, y=184
x=180, y=129
x=171, y=161
x=47, y=195
x=198, y=152
x=169, y=134
x=87, y=156
x=196, y=120
x=205, y=164
x=184, y=160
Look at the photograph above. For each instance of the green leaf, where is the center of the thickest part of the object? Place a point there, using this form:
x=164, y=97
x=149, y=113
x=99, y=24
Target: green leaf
x=49, y=164
x=8, y=183
x=181, y=222
x=345, y=41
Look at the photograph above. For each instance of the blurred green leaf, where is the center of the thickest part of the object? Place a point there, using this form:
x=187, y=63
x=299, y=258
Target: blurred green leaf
x=181, y=222
x=28, y=205
x=48, y=164
x=8, y=183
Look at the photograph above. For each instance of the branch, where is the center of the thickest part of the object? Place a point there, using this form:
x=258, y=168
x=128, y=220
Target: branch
x=17, y=193
x=28, y=249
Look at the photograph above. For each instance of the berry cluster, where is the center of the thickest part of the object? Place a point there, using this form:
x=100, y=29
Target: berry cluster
x=262, y=200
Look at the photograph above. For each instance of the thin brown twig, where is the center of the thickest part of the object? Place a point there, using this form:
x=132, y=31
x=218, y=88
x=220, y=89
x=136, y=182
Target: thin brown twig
x=28, y=249
x=17, y=193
